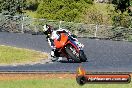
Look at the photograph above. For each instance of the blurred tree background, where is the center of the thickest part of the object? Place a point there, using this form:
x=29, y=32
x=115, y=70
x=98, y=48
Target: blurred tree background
x=121, y=16
x=66, y=10
x=121, y=5
x=12, y=7
x=117, y=13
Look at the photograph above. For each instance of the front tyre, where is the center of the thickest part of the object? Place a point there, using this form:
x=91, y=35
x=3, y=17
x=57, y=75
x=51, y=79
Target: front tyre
x=72, y=53
x=82, y=56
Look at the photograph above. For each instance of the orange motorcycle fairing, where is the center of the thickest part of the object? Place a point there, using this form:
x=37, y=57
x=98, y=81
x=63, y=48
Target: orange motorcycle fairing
x=62, y=41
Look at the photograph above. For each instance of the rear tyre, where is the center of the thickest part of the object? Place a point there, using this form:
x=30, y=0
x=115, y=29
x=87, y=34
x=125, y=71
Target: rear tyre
x=83, y=57
x=70, y=53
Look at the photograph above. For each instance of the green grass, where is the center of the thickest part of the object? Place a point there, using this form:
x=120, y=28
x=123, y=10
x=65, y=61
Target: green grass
x=10, y=55
x=56, y=83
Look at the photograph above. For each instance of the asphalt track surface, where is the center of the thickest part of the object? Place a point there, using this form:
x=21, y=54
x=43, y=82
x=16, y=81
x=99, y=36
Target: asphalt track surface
x=103, y=55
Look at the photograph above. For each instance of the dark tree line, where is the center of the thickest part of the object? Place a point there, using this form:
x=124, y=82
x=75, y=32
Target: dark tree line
x=12, y=6
x=122, y=5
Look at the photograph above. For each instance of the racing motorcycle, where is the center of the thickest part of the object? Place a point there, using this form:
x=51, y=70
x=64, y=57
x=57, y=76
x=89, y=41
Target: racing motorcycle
x=70, y=48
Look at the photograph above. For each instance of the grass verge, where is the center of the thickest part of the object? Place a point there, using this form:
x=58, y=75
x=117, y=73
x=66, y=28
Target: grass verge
x=55, y=83
x=49, y=81
x=9, y=55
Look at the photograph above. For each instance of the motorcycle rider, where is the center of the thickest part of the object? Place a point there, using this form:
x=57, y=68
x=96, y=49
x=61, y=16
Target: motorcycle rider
x=54, y=34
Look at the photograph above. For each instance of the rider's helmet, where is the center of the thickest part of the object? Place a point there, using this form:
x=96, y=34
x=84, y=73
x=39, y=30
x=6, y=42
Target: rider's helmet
x=47, y=29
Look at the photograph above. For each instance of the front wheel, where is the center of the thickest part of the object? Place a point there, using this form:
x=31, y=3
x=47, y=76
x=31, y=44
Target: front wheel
x=82, y=56
x=72, y=53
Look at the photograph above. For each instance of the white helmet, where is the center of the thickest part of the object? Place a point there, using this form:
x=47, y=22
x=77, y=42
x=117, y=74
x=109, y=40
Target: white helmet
x=47, y=29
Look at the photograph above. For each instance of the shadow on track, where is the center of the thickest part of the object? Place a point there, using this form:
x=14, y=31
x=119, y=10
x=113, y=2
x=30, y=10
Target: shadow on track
x=70, y=61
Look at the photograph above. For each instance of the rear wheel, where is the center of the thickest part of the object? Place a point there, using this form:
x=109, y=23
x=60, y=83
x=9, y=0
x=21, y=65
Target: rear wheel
x=72, y=52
